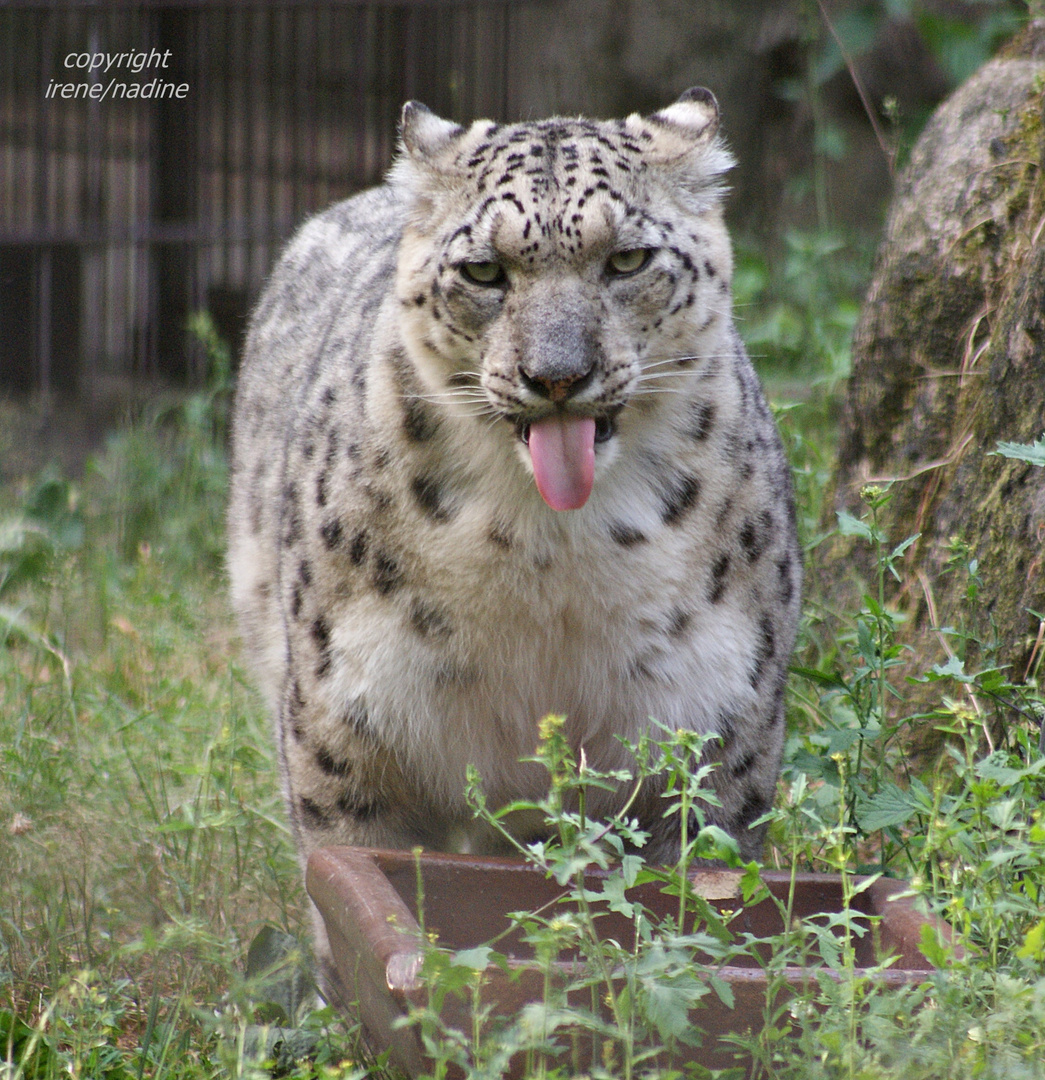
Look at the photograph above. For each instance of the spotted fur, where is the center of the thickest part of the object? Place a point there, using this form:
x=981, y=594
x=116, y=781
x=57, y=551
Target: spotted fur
x=411, y=604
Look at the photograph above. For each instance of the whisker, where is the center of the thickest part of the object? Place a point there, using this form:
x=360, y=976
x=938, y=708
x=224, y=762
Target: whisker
x=667, y=361
x=679, y=380
x=463, y=396
x=676, y=358
x=450, y=395
x=646, y=389
x=454, y=399
x=676, y=363
x=671, y=373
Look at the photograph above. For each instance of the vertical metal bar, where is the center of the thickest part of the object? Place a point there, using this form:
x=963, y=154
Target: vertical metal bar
x=404, y=44
x=43, y=312
x=198, y=250
x=279, y=140
x=299, y=116
x=508, y=72
x=8, y=105
x=279, y=144
x=141, y=272
x=362, y=19
x=324, y=117
x=255, y=43
x=222, y=115
x=93, y=301
x=370, y=132
x=43, y=263
x=130, y=245
x=148, y=284
x=114, y=315
x=34, y=118
x=176, y=176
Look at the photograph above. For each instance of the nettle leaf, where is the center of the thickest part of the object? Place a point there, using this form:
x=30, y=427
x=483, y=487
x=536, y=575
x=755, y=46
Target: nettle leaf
x=1033, y=453
x=1003, y=814
x=953, y=669
x=851, y=526
x=815, y=766
x=668, y=1002
x=994, y=767
x=613, y=893
x=477, y=959
x=893, y=805
x=932, y=948
x=842, y=739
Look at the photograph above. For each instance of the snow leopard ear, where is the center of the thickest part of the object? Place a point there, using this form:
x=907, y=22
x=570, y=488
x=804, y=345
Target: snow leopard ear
x=688, y=129
x=695, y=114
x=423, y=134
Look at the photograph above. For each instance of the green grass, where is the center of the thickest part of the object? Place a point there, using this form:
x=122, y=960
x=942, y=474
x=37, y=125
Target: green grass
x=142, y=838
x=142, y=841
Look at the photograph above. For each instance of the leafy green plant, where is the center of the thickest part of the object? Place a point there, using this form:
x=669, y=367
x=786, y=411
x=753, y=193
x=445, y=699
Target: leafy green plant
x=621, y=1005
x=966, y=830
x=161, y=481
x=625, y=1006
x=1033, y=453
x=837, y=39
x=798, y=311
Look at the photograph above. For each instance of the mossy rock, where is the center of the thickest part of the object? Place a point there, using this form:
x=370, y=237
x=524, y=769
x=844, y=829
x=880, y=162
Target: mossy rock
x=948, y=360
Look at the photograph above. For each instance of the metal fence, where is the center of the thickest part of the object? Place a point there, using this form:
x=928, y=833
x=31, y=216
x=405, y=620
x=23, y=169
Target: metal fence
x=163, y=178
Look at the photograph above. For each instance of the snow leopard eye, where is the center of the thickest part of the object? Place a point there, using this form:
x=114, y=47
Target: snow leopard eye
x=483, y=273
x=628, y=262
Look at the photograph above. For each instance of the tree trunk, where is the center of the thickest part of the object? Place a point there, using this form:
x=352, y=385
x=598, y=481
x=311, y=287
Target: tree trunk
x=949, y=359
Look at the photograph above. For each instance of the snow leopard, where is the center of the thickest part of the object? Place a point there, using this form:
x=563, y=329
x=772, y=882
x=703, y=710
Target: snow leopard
x=498, y=452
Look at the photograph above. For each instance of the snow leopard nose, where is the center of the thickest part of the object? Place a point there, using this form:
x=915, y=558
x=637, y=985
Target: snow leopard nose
x=558, y=359
x=557, y=389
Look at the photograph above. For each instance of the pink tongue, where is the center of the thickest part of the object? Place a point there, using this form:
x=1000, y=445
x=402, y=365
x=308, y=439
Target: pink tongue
x=562, y=449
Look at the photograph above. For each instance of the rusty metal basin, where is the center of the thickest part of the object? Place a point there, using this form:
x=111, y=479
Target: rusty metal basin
x=368, y=902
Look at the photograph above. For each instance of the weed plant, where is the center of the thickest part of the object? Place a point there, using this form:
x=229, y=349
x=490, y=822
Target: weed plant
x=605, y=1007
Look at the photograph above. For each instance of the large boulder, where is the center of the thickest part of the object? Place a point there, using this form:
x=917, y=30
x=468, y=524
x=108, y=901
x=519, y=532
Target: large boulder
x=948, y=360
